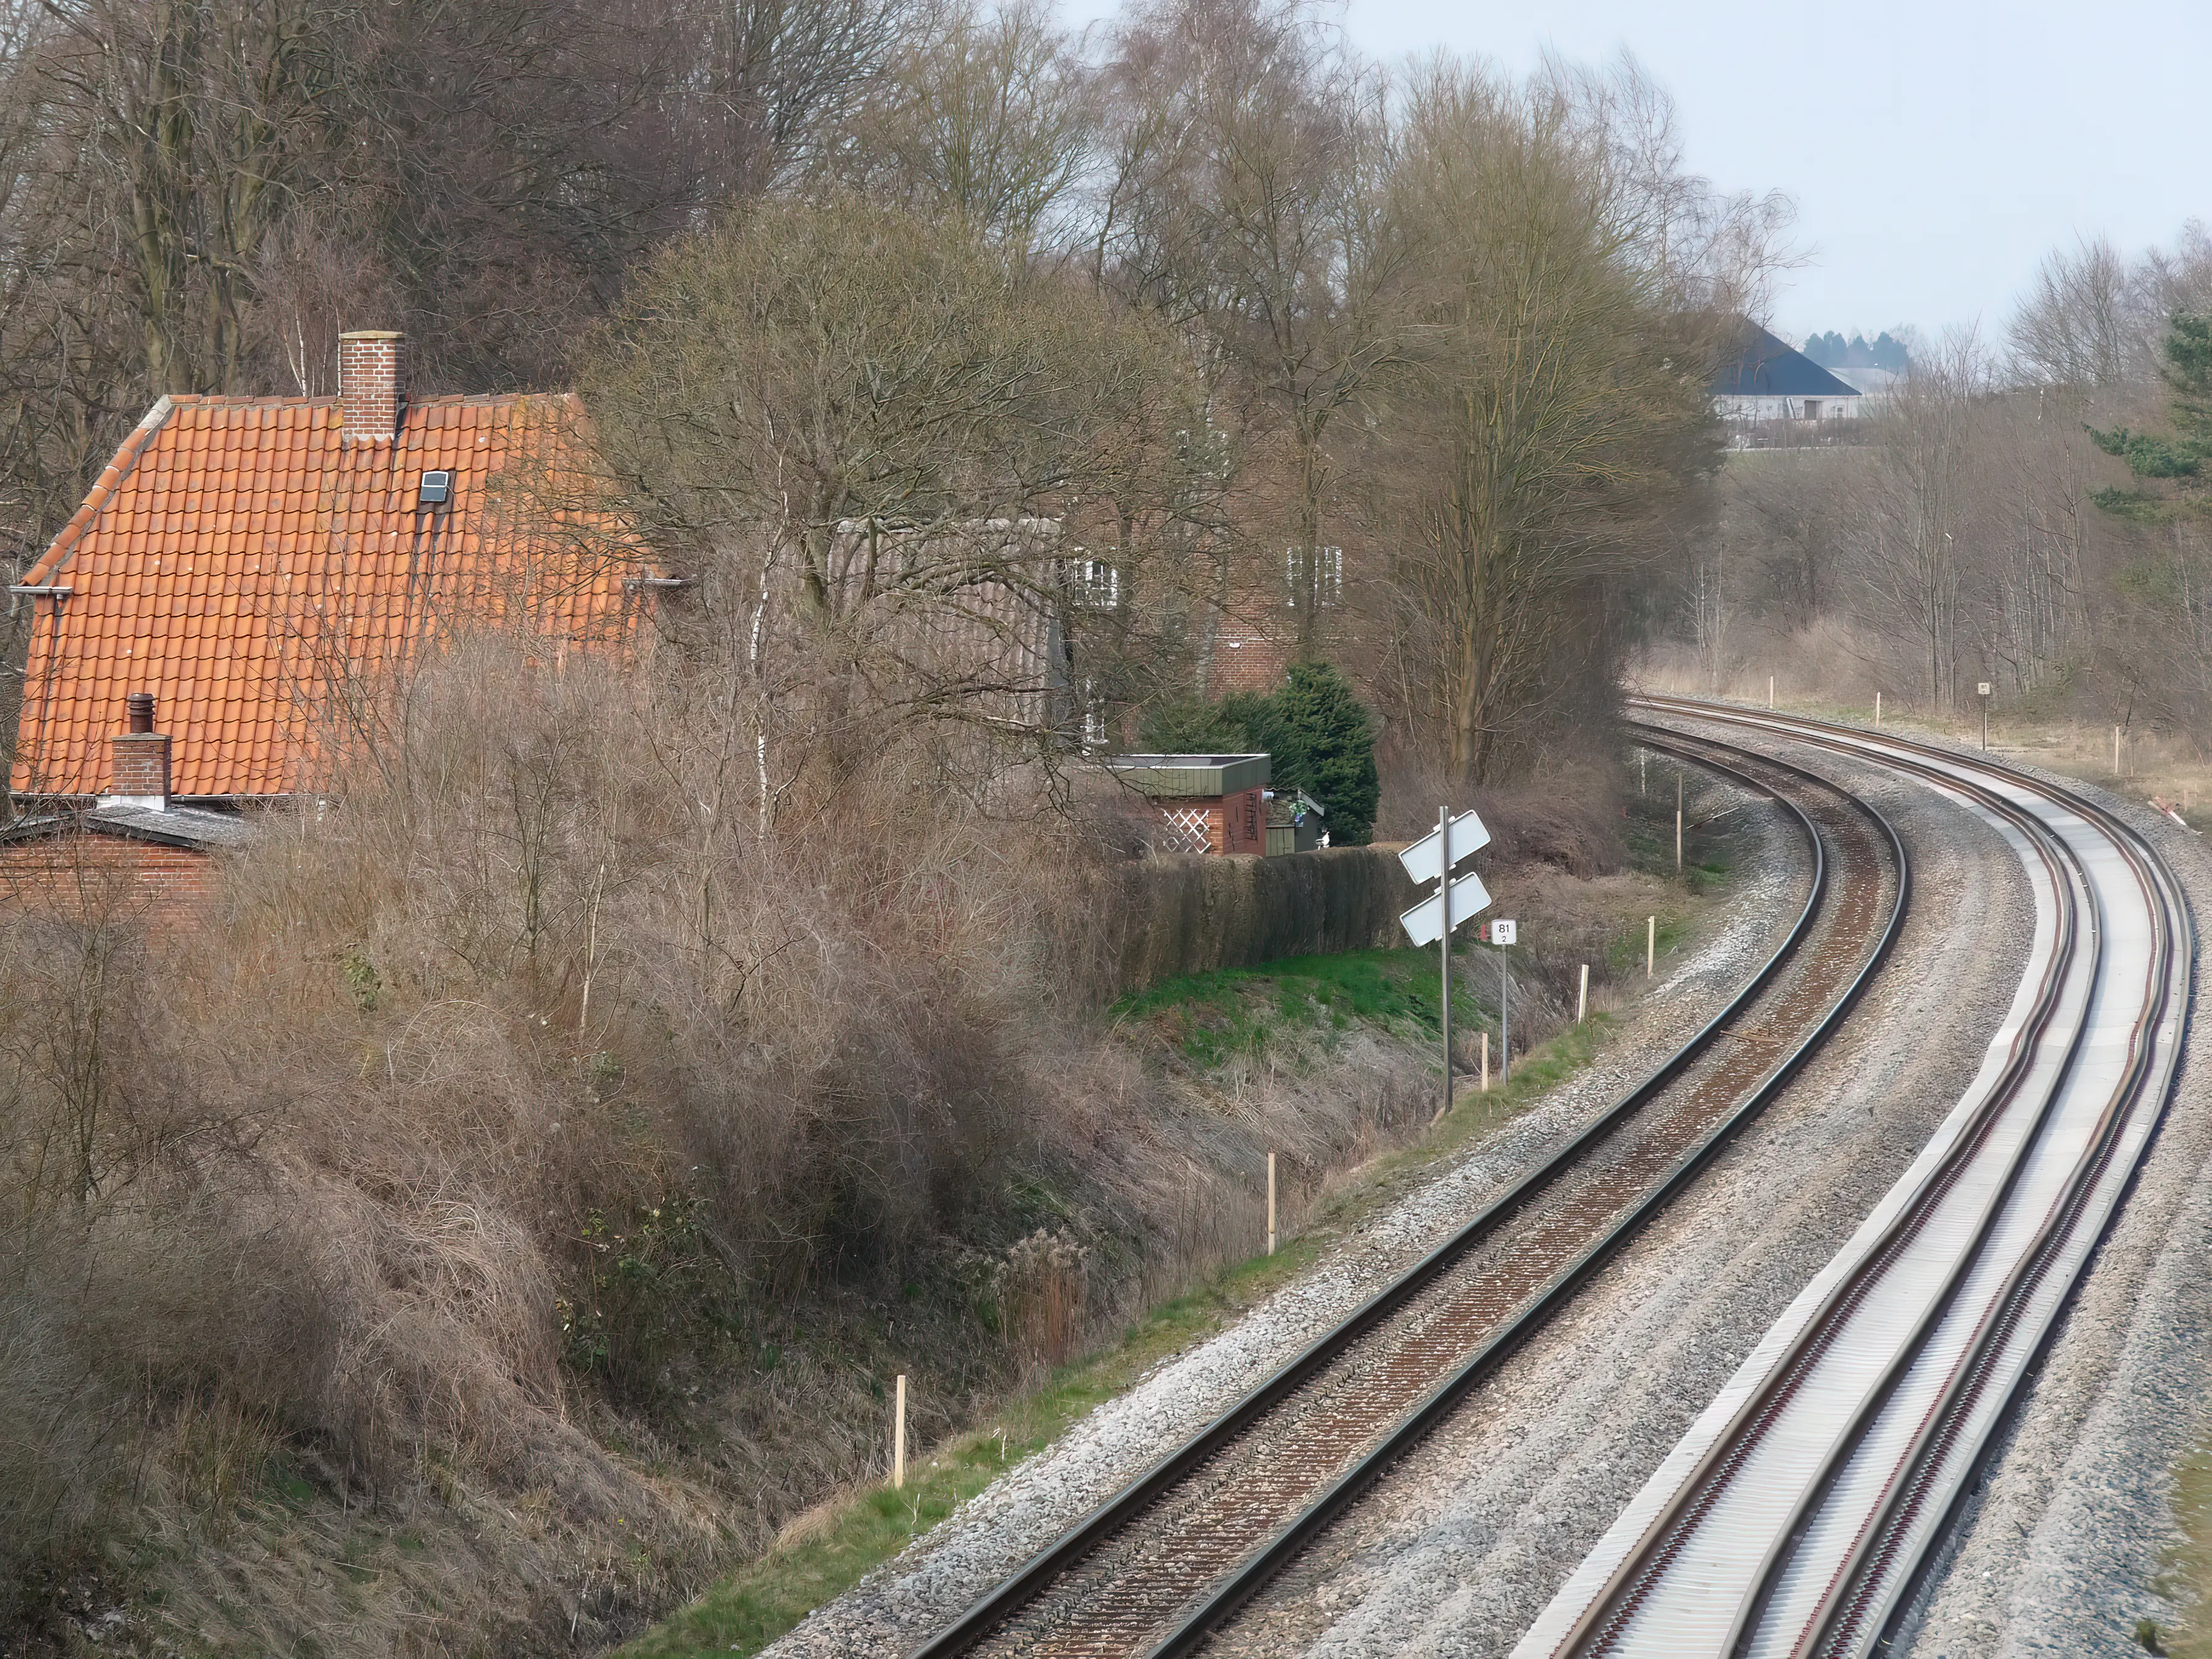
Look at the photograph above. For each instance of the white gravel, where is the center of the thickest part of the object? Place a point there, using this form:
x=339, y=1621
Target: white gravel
x=938, y=1576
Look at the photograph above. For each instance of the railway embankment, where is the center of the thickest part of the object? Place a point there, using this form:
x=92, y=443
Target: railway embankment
x=1362, y=1226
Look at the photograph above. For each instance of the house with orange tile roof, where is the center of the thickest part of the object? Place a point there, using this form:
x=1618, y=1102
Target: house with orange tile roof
x=263, y=570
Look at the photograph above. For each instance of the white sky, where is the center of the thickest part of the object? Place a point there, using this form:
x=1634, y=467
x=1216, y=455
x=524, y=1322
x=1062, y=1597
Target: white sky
x=1936, y=149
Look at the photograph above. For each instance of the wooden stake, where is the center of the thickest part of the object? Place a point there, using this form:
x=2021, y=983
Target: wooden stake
x=1650, y=944
x=1270, y=1204
x=898, y=1435
x=1486, y=1063
x=1770, y=693
x=1678, y=823
x=1582, y=997
x=1877, y=710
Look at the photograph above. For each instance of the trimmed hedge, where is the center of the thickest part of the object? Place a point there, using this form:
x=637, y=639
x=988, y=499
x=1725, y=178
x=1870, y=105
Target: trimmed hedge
x=1189, y=915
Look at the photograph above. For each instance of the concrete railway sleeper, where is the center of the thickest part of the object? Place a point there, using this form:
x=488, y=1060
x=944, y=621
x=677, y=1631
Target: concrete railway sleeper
x=1795, y=1515
x=1155, y=1567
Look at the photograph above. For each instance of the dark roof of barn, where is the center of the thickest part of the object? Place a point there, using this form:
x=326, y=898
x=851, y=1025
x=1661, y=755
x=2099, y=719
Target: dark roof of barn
x=1765, y=368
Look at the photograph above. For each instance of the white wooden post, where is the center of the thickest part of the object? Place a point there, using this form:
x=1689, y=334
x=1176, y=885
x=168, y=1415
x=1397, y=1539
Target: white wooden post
x=1650, y=944
x=1486, y=1063
x=898, y=1435
x=1877, y=709
x=1270, y=1204
x=1582, y=997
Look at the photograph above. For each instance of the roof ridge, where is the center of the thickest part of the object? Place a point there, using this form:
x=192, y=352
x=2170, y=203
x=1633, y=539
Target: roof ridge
x=112, y=475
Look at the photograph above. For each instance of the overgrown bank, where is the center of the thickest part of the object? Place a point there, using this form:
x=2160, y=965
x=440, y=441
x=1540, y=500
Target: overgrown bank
x=390, y=1291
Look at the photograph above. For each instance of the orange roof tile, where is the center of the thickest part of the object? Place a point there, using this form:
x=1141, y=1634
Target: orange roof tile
x=235, y=560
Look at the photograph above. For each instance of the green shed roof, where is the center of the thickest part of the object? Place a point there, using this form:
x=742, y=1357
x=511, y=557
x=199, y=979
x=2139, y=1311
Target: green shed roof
x=1190, y=775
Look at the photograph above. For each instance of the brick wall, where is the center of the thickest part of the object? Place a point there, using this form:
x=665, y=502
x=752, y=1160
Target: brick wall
x=1241, y=822
x=1226, y=823
x=140, y=763
x=372, y=384
x=1247, y=662
x=107, y=874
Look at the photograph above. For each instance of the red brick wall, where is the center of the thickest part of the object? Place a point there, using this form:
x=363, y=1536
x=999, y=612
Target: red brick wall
x=107, y=873
x=372, y=384
x=1241, y=822
x=140, y=763
x=1246, y=662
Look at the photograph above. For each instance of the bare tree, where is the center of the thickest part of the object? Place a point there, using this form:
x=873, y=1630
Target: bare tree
x=1914, y=562
x=2076, y=326
x=988, y=118
x=1557, y=407
x=1246, y=150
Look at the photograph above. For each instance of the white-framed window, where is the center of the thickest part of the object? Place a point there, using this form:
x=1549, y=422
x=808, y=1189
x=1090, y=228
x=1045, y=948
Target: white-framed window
x=1327, y=582
x=1094, y=584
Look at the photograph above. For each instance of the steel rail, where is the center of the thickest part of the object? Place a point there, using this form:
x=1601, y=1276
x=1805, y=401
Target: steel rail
x=1623, y=1592
x=1854, y=1596
x=1845, y=1610
x=984, y=1617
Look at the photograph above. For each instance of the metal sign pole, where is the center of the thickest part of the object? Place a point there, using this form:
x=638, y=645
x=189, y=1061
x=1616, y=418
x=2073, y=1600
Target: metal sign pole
x=1443, y=944
x=1505, y=1022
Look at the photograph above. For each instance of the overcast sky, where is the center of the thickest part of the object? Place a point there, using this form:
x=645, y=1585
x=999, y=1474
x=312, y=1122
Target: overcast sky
x=1934, y=147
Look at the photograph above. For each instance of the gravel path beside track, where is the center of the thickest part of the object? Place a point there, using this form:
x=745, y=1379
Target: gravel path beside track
x=934, y=1581
x=1459, y=1548
x=2061, y=1551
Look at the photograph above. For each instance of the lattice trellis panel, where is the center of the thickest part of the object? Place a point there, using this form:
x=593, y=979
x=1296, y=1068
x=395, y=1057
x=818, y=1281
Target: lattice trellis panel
x=1182, y=830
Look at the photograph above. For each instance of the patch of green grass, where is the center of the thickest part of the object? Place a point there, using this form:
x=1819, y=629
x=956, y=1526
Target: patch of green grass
x=1213, y=1017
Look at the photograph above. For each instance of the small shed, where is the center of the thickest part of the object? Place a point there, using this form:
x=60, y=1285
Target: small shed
x=132, y=849
x=1295, y=822
x=1198, y=803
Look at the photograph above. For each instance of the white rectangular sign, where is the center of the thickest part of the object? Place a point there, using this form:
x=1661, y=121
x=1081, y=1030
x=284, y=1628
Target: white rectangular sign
x=1503, y=931
x=1424, y=923
x=1422, y=858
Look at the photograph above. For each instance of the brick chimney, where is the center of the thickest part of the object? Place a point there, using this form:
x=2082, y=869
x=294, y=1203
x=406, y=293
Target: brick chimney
x=139, y=757
x=372, y=384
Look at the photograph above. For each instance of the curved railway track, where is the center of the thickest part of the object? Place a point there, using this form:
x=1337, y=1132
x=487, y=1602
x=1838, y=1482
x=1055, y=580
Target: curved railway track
x=1797, y=1514
x=1157, y=1566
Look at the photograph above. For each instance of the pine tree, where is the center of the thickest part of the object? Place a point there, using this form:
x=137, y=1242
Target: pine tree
x=1319, y=734
x=1328, y=750
x=2176, y=458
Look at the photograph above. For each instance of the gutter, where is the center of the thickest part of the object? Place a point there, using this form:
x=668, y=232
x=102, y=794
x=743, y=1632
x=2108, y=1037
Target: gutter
x=18, y=591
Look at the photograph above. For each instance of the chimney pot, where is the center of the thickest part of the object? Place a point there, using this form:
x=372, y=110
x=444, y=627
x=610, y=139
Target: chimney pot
x=138, y=759
x=372, y=384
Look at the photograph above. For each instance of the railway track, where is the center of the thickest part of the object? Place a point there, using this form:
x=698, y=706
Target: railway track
x=1797, y=1514
x=1155, y=1568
